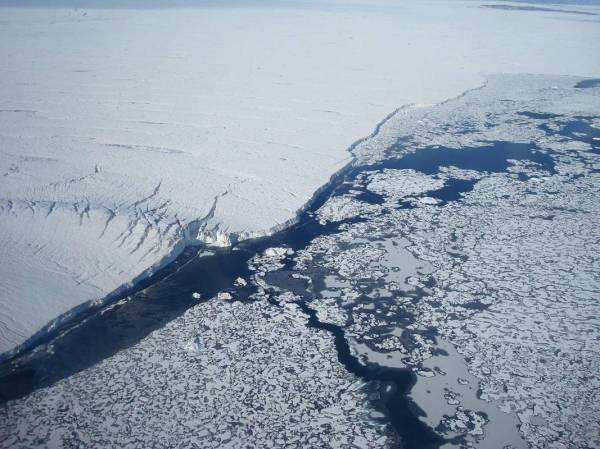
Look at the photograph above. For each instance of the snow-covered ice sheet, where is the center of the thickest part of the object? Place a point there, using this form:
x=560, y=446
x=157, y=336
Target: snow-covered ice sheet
x=127, y=134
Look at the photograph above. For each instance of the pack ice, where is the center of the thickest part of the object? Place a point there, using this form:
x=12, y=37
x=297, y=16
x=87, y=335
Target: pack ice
x=126, y=135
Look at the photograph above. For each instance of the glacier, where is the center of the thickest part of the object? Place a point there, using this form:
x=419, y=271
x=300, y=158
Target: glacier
x=127, y=135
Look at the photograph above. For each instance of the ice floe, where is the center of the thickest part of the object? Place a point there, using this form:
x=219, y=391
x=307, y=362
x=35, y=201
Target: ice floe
x=225, y=374
x=509, y=276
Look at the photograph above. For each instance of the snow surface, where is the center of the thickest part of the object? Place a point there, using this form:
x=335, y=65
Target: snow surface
x=128, y=134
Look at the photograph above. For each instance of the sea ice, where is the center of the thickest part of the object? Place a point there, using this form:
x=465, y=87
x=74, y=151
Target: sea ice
x=510, y=279
x=341, y=208
x=400, y=184
x=225, y=374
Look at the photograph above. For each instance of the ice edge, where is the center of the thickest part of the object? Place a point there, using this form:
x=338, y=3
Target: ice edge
x=195, y=234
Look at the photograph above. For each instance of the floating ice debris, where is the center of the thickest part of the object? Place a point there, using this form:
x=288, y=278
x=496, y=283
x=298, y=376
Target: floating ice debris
x=248, y=374
x=341, y=208
x=464, y=421
x=429, y=200
x=224, y=296
x=451, y=397
x=276, y=252
x=205, y=253
x=270, y=259
x=497, y=289
x=398, y=184
x=196, y=295
x=240, y=282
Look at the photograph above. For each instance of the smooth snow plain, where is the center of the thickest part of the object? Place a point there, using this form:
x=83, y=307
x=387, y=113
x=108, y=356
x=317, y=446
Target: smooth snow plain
x=127, y=135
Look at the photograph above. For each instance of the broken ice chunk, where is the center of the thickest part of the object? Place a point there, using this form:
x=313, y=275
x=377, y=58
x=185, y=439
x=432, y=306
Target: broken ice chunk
x=277, y=252
x=429, y=200
x=240, y=282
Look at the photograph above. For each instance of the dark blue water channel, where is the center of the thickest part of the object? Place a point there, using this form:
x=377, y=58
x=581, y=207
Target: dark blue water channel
x=98, y=334
x=580, y=130
x=588, y=84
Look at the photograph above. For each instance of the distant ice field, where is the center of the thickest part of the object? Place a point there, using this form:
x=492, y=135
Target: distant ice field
x=127, y=135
